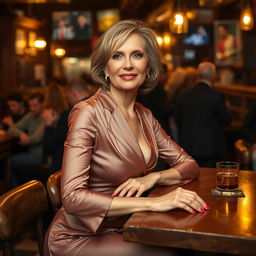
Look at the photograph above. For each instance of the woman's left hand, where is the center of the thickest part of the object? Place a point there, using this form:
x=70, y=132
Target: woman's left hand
x=136, y=186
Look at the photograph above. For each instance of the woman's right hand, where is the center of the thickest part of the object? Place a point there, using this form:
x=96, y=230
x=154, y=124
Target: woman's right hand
x=180, y=198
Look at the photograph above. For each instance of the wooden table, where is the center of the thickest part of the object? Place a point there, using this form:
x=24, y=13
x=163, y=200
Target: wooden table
x=228, y=227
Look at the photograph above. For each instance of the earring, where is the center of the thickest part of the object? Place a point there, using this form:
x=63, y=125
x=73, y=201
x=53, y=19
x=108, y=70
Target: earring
x=106, y=78
x=148, y=75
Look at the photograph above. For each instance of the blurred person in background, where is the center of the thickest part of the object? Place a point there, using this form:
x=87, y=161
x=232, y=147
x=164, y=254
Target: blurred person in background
x=55, y=117
x=58, y=104
x=30, y=132
x=249, y=133
x=201, y=114
x=77, y=91
x=191, y=77
x=173, y=86
x=16, y=110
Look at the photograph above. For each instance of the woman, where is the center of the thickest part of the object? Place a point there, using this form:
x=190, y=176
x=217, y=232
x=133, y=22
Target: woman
x=55, y=116
x=112, y=145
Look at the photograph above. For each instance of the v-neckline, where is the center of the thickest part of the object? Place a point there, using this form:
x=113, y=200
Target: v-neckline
x=143, y=134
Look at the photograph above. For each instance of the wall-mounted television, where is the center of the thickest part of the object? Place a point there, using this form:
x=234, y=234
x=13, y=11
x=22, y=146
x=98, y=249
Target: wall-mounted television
x=71, y=25
x=198, y=35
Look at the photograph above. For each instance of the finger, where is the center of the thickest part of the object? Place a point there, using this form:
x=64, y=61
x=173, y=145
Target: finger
x=132, y=191
x=124, y=191
x=186, y=207
x=194, y=202
x=120, y=187
x=202, y=204
x=139, y=192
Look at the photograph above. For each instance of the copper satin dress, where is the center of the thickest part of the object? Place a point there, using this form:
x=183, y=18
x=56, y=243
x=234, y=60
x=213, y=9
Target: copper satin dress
x=101, y=152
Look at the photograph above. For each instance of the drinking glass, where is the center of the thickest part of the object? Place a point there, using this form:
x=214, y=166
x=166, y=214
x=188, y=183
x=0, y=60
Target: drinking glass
x=227, y=175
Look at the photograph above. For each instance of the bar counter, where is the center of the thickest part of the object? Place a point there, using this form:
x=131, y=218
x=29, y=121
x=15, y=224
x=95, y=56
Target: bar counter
x=228, y=227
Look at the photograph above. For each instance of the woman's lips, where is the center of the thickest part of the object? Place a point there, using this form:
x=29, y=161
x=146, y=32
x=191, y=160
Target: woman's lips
x=128, y=77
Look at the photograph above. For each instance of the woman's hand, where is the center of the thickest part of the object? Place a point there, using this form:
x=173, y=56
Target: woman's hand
x=136, y=186
x=180, y=198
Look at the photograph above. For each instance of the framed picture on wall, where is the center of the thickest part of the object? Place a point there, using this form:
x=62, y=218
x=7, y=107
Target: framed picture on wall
x=106, y=18
x=71, y=25
x=227, y=43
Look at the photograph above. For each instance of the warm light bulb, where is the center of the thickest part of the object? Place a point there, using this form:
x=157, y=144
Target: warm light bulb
x=178, y=19
x=246, y=19
x=159, y=40
x=179, y=23
x=60, y=52
x=167, y=40
x=40, y=44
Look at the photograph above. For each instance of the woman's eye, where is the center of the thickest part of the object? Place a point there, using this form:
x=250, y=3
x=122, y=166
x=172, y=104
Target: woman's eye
x=138, y=55
x=116, y=56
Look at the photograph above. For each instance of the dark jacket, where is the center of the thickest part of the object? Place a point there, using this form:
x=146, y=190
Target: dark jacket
x=200, y=115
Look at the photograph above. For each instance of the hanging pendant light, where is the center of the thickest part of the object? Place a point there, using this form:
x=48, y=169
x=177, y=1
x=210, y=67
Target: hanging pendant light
x=179, y=21
x=59, y=52
x=40, y=43
x=246, y=17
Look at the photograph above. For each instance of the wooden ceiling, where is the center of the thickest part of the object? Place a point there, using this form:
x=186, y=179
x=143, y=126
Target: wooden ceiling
x=129, y=8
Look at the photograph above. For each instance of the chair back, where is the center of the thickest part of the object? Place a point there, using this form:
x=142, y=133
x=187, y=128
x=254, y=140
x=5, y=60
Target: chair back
x=53, y=189
x=19, y=208
x=243, y=154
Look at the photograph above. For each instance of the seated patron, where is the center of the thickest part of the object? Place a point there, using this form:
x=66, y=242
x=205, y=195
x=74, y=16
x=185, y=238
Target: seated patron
x=112, y=145
x=16, y=110
x=30, y=132
x=55, y=117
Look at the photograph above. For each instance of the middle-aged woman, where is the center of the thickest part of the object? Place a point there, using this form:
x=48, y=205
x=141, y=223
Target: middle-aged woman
x=112, y=145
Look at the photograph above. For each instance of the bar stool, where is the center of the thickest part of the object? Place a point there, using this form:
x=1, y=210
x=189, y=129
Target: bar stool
x=53, y=189
x=19, y=208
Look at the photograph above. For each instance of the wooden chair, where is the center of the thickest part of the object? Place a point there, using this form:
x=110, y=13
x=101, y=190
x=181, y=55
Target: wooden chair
x=20, y=208
x=243, y=154
x=53, y=189
x=6, y=144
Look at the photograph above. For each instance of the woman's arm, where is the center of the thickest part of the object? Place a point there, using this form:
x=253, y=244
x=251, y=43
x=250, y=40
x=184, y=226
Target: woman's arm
x=179, y=198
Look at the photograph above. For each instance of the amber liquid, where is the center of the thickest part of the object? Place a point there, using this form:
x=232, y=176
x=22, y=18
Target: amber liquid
x=227, y=181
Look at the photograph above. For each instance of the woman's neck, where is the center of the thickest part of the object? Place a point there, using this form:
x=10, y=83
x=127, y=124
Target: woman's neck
x=124, y=99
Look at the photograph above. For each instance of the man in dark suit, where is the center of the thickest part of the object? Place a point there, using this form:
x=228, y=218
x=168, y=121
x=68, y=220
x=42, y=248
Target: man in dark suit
x=201, y=114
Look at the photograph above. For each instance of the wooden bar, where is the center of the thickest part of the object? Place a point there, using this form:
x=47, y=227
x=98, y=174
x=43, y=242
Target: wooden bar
x=228, y=227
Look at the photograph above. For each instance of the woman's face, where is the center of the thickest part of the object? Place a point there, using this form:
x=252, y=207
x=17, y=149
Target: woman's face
x=128, y=65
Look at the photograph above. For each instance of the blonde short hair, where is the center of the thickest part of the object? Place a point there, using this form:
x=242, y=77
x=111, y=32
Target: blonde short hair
x=120, y=32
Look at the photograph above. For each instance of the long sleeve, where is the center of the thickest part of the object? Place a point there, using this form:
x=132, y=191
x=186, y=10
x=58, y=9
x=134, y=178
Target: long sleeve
x=88, y=206
x=38, y=135
x=20, y=126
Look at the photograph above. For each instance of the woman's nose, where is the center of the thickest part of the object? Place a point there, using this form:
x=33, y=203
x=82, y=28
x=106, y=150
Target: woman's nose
x=128, y=64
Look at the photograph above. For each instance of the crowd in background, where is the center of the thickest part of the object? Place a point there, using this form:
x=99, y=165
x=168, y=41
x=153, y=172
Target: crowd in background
x=185, y=102
x=38, y=123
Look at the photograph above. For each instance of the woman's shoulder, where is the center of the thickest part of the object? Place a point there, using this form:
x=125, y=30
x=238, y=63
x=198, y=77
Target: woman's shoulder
x=143, y=111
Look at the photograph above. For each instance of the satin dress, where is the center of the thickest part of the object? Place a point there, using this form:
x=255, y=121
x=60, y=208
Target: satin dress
x=101, y=152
